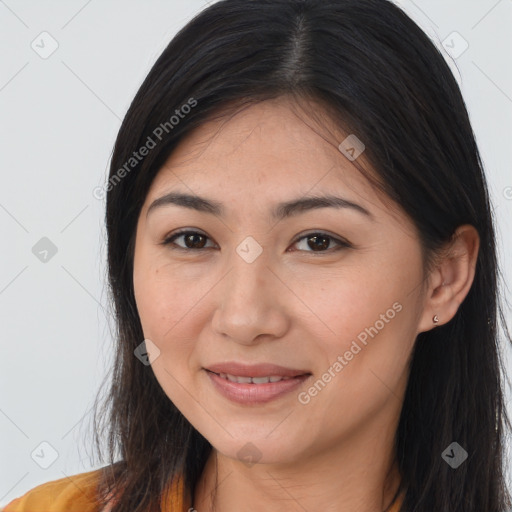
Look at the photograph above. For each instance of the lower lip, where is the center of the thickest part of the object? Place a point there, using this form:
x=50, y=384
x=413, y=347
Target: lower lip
x=255, y=393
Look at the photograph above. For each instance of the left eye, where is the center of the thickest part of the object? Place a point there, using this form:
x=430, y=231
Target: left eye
x=317, y=242
x=320, y=241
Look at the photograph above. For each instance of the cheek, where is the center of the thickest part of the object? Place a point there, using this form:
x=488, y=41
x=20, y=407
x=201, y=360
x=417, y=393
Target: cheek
x=371, y=319
x=173, y=311
x=163, y=298
x=350, y=302
x=154, y=303
x=167, y=315
x=362, y=369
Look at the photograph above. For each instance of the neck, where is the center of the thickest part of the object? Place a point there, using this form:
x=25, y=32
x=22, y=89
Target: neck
x=360, y=475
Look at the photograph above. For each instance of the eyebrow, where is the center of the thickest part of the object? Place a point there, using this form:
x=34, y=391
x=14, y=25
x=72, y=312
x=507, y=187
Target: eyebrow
x=280, y=211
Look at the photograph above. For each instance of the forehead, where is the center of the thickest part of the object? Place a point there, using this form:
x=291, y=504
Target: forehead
x=267, y=150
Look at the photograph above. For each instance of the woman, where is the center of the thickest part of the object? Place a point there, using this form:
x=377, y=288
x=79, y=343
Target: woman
x=302, y=260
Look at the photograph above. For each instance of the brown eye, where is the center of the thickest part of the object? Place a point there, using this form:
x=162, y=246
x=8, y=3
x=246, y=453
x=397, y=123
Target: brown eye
x=192, y=240
x=321, y=242
x=318, y=242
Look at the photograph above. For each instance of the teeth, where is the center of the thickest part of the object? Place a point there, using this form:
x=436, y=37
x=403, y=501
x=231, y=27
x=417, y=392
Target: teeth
x=261, y=380
x=241, y=380
x=253, y=380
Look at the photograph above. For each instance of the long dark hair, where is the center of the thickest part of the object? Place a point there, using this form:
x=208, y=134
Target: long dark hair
x=396, y=94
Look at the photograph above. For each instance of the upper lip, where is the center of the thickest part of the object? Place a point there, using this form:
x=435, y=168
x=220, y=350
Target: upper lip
x=254, y=370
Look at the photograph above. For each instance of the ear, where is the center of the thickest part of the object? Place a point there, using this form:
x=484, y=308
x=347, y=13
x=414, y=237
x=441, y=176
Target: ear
x=451, y=279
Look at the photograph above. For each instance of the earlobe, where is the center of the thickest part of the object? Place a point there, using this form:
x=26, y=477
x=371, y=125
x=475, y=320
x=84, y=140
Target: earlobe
x=452, y=278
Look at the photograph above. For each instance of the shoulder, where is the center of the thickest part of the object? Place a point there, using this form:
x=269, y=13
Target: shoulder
x=76, y=493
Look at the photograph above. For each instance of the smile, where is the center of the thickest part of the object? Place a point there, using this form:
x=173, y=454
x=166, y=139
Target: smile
x=252, y=380
x=254, y=390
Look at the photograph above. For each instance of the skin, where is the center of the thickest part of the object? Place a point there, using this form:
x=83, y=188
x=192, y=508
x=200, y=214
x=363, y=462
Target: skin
x=292, y=306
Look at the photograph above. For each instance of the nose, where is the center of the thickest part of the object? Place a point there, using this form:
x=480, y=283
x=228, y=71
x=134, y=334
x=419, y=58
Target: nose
x=250, y=303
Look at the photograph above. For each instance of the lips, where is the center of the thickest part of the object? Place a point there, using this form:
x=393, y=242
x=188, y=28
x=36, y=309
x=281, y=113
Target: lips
x=256, y=384
x=238, y=372
x=256, y=391
x=252, y=380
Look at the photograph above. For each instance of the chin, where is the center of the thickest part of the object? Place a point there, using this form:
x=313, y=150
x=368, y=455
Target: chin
x=259, y=450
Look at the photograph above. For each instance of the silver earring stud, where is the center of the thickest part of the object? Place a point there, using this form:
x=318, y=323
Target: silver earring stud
x=435, y=319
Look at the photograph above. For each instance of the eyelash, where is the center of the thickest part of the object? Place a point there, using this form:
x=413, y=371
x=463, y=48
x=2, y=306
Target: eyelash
x=341, y=243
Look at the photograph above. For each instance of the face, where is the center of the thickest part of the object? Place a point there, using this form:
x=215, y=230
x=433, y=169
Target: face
x=329, y=293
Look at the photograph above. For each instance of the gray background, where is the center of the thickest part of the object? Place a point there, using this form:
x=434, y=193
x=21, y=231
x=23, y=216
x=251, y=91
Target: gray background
x=60, y=116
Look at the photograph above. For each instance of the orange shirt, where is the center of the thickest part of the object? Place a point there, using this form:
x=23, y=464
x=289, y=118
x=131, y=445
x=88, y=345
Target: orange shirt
x=77, y=494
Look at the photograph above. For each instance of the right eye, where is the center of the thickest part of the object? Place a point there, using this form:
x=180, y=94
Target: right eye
x=192, y=240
